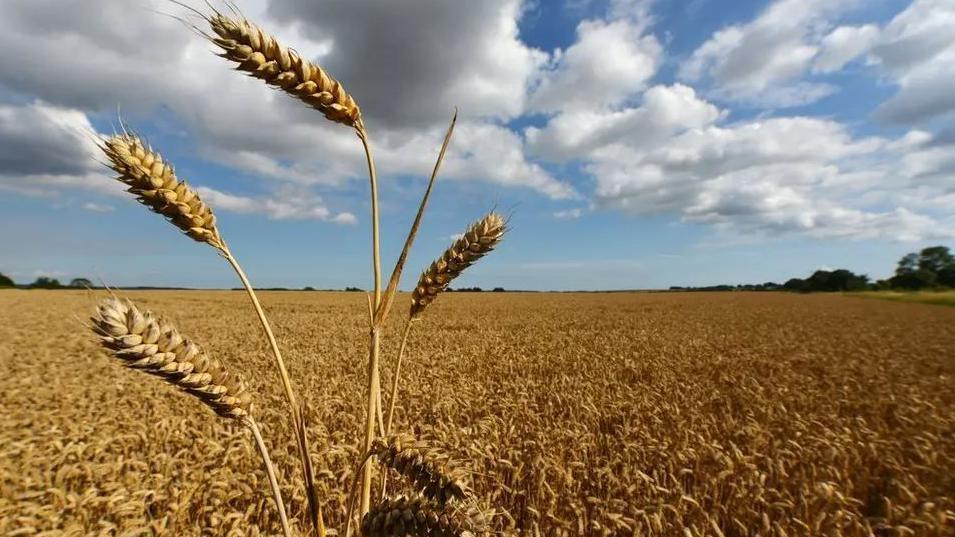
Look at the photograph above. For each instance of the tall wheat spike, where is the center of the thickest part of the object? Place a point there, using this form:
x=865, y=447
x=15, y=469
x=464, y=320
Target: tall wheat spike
x=480, y=238
x=145, y=341
x=154, y=183
x=259, y=54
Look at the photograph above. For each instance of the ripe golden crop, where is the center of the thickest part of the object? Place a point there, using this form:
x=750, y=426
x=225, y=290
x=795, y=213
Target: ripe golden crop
x=728, y=414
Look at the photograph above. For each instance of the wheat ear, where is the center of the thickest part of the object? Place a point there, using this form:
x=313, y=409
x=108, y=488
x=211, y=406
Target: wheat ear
x=402, y=516
x=259, y=54
x=142, y=340
x=422, y=466
x=480, y=238
x=154, y=183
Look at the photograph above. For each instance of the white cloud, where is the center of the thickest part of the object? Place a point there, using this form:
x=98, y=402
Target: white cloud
x=917, y=51
x=761, y=62
x=407, y=82
x=98, y=207
x=777, y=176
x=289, y=204
x=569, y=214
x=665, y=111
x=610, y=61
x=843, y=45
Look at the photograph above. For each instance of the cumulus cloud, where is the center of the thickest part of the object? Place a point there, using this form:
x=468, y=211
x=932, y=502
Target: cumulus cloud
x=771, y=177
x=407, y=82
x=843, y=45
x=916, y=49
x=664, y=111
x=610, y=61
x=761, y=62
x=469, y=56
x=37, y=138
x=289, y=204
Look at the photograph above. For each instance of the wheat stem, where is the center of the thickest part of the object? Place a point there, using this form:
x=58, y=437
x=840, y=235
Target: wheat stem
x=270, y=471
x=396, y=376
x=276, y=353
x=392, y=289
x=315, y=508
x=373, y=178
x=374, y=387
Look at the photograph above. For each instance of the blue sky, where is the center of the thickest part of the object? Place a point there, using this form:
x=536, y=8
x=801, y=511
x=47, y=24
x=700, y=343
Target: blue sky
x=636, y=143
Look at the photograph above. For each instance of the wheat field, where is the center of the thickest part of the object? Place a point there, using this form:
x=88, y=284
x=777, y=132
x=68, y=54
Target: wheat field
x=573, y=414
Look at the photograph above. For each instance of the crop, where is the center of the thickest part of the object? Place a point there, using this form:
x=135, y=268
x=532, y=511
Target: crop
x=572, y=414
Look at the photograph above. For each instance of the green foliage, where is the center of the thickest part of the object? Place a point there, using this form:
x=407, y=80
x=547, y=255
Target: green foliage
x=82, y=283
x=6, y=281
x=933, y=266
x=829, y=280
x=44, y=282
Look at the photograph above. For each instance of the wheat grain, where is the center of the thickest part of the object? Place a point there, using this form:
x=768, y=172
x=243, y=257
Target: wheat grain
x=154, y=183
x=480, y=238
x=402, y=516
x=260, y=55
x=422, y=466
x=144, y=341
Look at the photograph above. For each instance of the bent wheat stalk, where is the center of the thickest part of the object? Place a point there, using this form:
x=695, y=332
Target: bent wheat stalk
x=422, y=466
x=402, y=516
x=154, y=183
x=144, y=341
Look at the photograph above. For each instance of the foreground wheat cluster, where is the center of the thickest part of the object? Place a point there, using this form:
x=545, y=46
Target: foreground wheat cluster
x=433, y=500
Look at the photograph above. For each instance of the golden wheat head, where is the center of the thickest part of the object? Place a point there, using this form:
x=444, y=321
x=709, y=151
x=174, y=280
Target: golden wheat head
x=153, y=181
x=141, y=340
x=422, y=466
x=479, y=239
x=260, y=55
x=402, y=516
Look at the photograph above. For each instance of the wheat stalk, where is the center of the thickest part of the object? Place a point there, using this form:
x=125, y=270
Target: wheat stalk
x=480, y=238
x=142, y=340
x=402, y=516
x=421, y=466
x=154, y=183
x=259, y=54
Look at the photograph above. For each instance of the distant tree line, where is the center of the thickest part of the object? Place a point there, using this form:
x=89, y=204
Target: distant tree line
x=46, y=282
x=931, y=268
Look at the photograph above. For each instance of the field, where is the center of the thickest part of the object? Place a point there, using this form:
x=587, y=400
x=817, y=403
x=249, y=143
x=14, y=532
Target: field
x=728, y=414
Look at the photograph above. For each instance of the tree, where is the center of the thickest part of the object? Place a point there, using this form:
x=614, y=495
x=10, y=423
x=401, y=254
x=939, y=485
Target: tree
x=907, y=265
x=44, y=282
x=5, y=281
x=81, y=282
x=935, y=259
x=915, y=280
x=946, y=276
x=796, y=284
